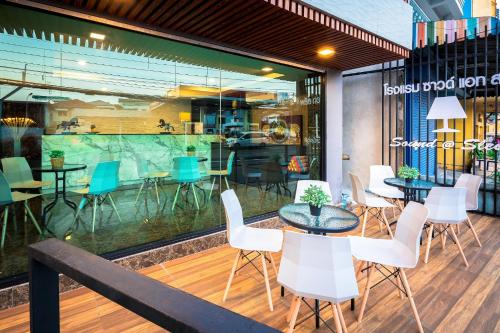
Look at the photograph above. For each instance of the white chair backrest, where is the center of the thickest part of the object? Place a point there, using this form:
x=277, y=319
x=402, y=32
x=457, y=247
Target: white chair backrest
x=472, y=184
x=234, y=213
x=410, y=225
x=358, y=191
x=377, y=175
x=16, y=170
x=314, y=264
x=447, y=204
x=302, y=185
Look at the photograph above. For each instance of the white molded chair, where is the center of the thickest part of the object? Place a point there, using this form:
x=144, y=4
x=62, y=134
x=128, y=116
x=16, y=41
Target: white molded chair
x=377, y=186
x=446, y=208
x=18, y=173
x=368, y=203
x=149, y=178
x=401, y=253
x=249, y=240
x=7, y=198
x=472, y=184
x=302, y=185
x=317, y=267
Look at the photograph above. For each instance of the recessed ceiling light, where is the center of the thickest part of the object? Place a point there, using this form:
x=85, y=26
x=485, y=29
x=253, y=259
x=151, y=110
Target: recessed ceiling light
x=97, y=36
x=82, y=62
x=104, y=89
x=267, y=69
x=326, y=52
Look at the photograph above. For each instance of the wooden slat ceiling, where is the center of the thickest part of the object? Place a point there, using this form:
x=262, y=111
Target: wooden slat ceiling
x=286, y=29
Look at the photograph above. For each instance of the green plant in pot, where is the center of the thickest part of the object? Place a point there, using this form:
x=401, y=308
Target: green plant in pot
x=316, y=198
x=191, y=150
x=408, y=173
x=57, y=159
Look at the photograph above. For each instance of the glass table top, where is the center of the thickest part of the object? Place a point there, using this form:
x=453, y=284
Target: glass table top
x=415, y=184
x=332, y=219
x=66, y=167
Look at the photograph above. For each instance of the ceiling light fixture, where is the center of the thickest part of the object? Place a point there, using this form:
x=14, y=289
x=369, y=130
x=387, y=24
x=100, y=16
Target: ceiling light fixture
x=95, y=35
x=267, y=69
x=82, y=62
x=326, y=52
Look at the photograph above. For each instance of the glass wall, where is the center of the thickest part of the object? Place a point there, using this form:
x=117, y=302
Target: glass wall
x=151, y=131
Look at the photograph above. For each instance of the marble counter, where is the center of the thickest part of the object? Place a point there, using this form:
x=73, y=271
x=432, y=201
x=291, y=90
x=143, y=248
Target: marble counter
x=160, y=150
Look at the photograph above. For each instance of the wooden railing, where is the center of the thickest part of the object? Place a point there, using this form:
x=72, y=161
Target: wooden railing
x=167, y=307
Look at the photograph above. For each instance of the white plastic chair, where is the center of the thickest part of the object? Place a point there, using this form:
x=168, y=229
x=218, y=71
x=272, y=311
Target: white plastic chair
x=302, y=185
x=18, y=173
x=472, y=184
x=317, y=267
x=377, y=186
x=249, y=240
x=369, y=203
x=149, y=178
x=446, y=208
x=401, y=253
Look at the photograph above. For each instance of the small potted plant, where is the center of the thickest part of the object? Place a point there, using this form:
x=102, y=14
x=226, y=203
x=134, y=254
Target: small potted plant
x=191, y=150
x=316, y=198
x=57, y=159
x=408, y=173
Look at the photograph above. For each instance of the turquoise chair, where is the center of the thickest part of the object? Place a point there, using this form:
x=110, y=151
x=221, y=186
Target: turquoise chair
x=222, y=173
x=186, y=173
x=104, y=181
x=7, y=198
x=18, y=173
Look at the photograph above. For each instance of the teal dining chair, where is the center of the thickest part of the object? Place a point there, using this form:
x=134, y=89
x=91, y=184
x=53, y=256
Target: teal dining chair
x=7, y=198
x=222, y=173
x=104, y=181
x=186, y=174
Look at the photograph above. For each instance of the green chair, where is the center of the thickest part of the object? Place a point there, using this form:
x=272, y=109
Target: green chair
x=104, y=181
x=186, y=173
x=222, y=173
x=8, y=198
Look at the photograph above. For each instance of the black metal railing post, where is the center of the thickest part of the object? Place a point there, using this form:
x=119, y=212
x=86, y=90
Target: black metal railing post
x=44, y=298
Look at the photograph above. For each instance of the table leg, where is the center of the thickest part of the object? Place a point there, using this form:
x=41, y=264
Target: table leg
x=316, y=312
x=282, y=291
x=353, y=304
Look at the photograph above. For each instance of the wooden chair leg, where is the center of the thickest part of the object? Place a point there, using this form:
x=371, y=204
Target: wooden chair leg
x=341, y=316
x=442, y=236
x=387, y=225
x=139, y=194
x=295, y=313
x=379, y=211
x=473, y=231
x=359, y=268
x=336, y=319
x=428, y=245
x=455, y=238
x=458, y=228
x=273, y=263
x=400, y=287
x=366, y=293
x=4, y=227
x=363, y=227
x=231, y=275
x=266, y=280
x=292, y=308
x=94, y=212
x=410, y=299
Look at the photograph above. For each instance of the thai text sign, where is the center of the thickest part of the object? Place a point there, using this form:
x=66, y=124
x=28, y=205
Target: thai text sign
x=452, y=83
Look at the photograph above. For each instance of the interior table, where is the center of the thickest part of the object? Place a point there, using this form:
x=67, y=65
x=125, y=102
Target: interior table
x=60, y=186
x=410, y=189
x=333, y=219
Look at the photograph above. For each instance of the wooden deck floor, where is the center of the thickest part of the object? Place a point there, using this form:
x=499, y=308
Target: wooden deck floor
x=449, y=296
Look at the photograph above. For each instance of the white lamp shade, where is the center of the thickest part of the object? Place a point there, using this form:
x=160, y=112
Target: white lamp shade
x=446, y=108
